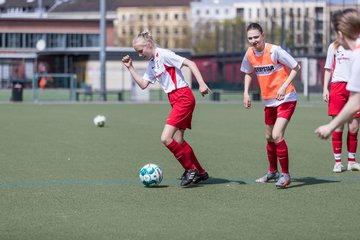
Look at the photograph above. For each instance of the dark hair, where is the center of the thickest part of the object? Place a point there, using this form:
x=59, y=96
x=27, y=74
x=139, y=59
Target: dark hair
x=254, y=26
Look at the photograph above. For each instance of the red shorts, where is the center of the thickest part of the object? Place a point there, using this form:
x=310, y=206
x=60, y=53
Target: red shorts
x=338, y=98
x=284, y=110
x=183, y=104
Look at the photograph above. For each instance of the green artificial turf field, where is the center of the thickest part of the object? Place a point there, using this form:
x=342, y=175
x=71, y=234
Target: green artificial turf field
x=63, y=178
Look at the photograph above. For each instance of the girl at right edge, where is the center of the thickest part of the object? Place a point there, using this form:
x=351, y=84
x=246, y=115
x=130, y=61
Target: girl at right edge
x=337, y=72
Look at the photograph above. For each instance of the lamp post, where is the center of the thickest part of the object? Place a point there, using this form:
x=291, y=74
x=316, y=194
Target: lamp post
x=103, y=50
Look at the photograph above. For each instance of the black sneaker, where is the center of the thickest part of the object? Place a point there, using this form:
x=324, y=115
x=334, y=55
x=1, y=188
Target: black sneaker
x=183, y=175
x=189, y=177
x=200, y=177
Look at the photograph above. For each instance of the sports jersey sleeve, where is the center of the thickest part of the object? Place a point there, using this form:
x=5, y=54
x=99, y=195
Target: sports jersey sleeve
x=282, y=56
x=148, y=75
x=172, y=59
x=353, y=84
x=330, y=57
x=246, y=67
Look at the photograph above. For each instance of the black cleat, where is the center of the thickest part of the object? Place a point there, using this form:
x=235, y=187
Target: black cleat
x=188, y=178
x=183, y=175
x=200, y=177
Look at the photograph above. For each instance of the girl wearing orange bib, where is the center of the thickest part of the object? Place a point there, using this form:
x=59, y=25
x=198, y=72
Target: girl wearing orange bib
x=271, y=65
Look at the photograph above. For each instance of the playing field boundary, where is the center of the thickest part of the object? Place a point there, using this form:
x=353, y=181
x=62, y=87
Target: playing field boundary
x=210, y=181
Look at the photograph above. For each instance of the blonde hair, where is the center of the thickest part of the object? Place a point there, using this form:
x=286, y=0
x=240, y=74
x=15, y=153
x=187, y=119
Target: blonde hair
x=347, y=21
x=336, y=44
x=144, y=36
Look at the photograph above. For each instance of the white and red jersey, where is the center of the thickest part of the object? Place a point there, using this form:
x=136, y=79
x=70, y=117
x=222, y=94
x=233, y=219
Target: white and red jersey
x=338, y=61
x=165, y=68
x=354, y=80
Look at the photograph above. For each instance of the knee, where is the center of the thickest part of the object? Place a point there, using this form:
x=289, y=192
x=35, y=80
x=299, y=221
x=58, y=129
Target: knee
x=278, y=137
x=353, y=128
x=269, y=138
x=165, y=140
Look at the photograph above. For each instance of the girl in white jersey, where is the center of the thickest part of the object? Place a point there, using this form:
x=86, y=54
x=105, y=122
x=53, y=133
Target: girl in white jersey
x=337, y=70
x=347, y=26
x=164, y=67
x=271, y=65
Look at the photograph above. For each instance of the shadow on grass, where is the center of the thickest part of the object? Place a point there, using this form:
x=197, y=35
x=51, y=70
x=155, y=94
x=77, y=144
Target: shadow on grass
x=212, y=180
x=306, y=181
x=158, y=186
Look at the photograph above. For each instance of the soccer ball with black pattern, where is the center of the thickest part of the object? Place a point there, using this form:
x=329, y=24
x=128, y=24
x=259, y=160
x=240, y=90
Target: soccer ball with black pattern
x=151, y=175
x=99, y=121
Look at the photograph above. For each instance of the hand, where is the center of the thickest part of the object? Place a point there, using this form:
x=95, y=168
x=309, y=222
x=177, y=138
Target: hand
x=280, y=95
x=323, y=131
x=204, y=89
x=326, y=96
x=247, y=101
x=127, y=61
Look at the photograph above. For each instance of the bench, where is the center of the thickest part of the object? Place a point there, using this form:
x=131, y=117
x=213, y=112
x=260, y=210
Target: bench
x=89, y=93
x=216, y=94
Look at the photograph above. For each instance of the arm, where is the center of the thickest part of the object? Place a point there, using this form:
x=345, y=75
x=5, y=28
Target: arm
x=327, y=77
x=203, y=88
x=142, y=83
x=350, y=108
x=281, y=92
x=247, y=81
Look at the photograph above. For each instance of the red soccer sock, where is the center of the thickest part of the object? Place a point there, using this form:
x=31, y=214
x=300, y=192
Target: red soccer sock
x=282, y=153
x=337, y=145
x=272, y=157
x=191, y=155
x=180, y=155
x=352, y=145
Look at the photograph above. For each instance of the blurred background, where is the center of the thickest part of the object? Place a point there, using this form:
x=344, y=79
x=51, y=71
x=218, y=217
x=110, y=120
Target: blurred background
x=70, y=50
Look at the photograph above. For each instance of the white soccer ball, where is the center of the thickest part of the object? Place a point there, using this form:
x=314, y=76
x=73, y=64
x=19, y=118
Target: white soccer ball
x=99, y=121
x=151, y=175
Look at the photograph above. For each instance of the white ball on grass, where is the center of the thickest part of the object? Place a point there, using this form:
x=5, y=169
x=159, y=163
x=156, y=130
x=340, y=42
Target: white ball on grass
x=100, y=120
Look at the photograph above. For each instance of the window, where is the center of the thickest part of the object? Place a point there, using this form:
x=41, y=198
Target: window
x=31, y=39
x=13, y=40
x=92, y=40
x=73, y=40
x=274, y=12
x=240, y=12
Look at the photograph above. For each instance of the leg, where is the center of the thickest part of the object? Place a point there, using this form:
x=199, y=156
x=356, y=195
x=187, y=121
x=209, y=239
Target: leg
x=282, y=151
x=353, y=127
x=271, y=149
x=336, y=140
x=270, y=118
x=170, y=137
x=281, y=147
